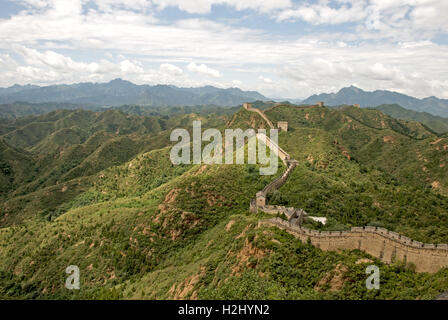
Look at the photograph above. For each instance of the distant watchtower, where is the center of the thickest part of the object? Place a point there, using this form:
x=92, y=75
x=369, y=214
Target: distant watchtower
x=320, y=104
x=260, y=199
x=282, y=125
x=357, y=105
x=246, y=105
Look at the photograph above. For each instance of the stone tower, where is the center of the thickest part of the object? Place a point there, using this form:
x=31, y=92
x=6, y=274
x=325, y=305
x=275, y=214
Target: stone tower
x=260, y=199
x=320, y=104
x=283, y=125
x=357, y=105
x=246, y=105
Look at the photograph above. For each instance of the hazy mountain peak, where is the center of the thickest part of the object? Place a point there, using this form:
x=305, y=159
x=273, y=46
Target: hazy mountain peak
x=351, y=88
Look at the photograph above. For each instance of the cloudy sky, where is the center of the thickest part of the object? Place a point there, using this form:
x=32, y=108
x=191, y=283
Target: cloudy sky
x=282, y=48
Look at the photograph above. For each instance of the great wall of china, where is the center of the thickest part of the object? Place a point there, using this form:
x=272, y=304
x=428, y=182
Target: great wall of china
x=381, y=243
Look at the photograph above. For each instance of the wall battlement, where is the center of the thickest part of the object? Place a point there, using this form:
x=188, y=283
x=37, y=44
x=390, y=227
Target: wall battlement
x=378, y=242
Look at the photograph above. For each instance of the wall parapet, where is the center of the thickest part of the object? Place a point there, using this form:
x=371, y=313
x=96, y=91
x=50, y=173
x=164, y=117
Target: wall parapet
x=427, y=257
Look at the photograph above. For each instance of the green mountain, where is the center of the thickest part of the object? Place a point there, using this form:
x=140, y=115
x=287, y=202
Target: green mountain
x=353, y=95
x=60, y=151
x=138, y=226
x=438, y=124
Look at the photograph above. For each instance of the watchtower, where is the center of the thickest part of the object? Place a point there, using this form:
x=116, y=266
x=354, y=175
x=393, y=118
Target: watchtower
x=320, y=104
x=283, y=125
x=246, y=105
x=260, y=199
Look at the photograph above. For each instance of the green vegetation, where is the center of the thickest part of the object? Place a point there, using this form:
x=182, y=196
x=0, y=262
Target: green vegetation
x=436, y=123
x=99, y=191
x=359, y=166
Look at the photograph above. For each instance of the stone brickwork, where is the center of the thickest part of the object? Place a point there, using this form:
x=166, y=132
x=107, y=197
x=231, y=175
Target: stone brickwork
x=378, y=242
x=283, y=125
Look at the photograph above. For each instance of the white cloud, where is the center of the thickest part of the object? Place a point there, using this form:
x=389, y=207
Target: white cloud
x=265, y=80
x=322, y=13
x=170, y=69
x=205, y=6
x=129, y=67
x=204, y=70
x=387, y=45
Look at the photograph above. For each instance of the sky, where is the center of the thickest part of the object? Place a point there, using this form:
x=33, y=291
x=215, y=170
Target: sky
x=280, y=48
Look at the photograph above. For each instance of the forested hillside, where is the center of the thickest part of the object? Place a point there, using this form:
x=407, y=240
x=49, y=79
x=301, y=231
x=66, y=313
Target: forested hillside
x=98, y=190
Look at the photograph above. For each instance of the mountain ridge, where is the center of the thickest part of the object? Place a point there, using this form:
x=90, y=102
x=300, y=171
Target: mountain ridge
x=119, y=92
x=354, y=95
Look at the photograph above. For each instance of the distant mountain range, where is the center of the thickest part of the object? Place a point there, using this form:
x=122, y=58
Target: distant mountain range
x=119, y=92
x=15, y=100
x=352, y=95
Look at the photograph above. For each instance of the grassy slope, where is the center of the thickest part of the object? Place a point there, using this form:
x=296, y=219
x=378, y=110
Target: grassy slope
x=15, y=166
x=436, y=123
x=160, y=221
x=67, y=149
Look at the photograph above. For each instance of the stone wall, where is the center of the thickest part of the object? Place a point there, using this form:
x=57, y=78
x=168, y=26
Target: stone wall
x=385, y=245
x=282, y=154
x=248, y=107
x=277, y=183
x=381, y=243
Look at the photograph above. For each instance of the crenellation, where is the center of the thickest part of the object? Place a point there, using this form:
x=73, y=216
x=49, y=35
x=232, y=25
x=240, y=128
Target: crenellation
x=394, y=235
x=417, y=244
x=377, y=244
x=405, y=239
